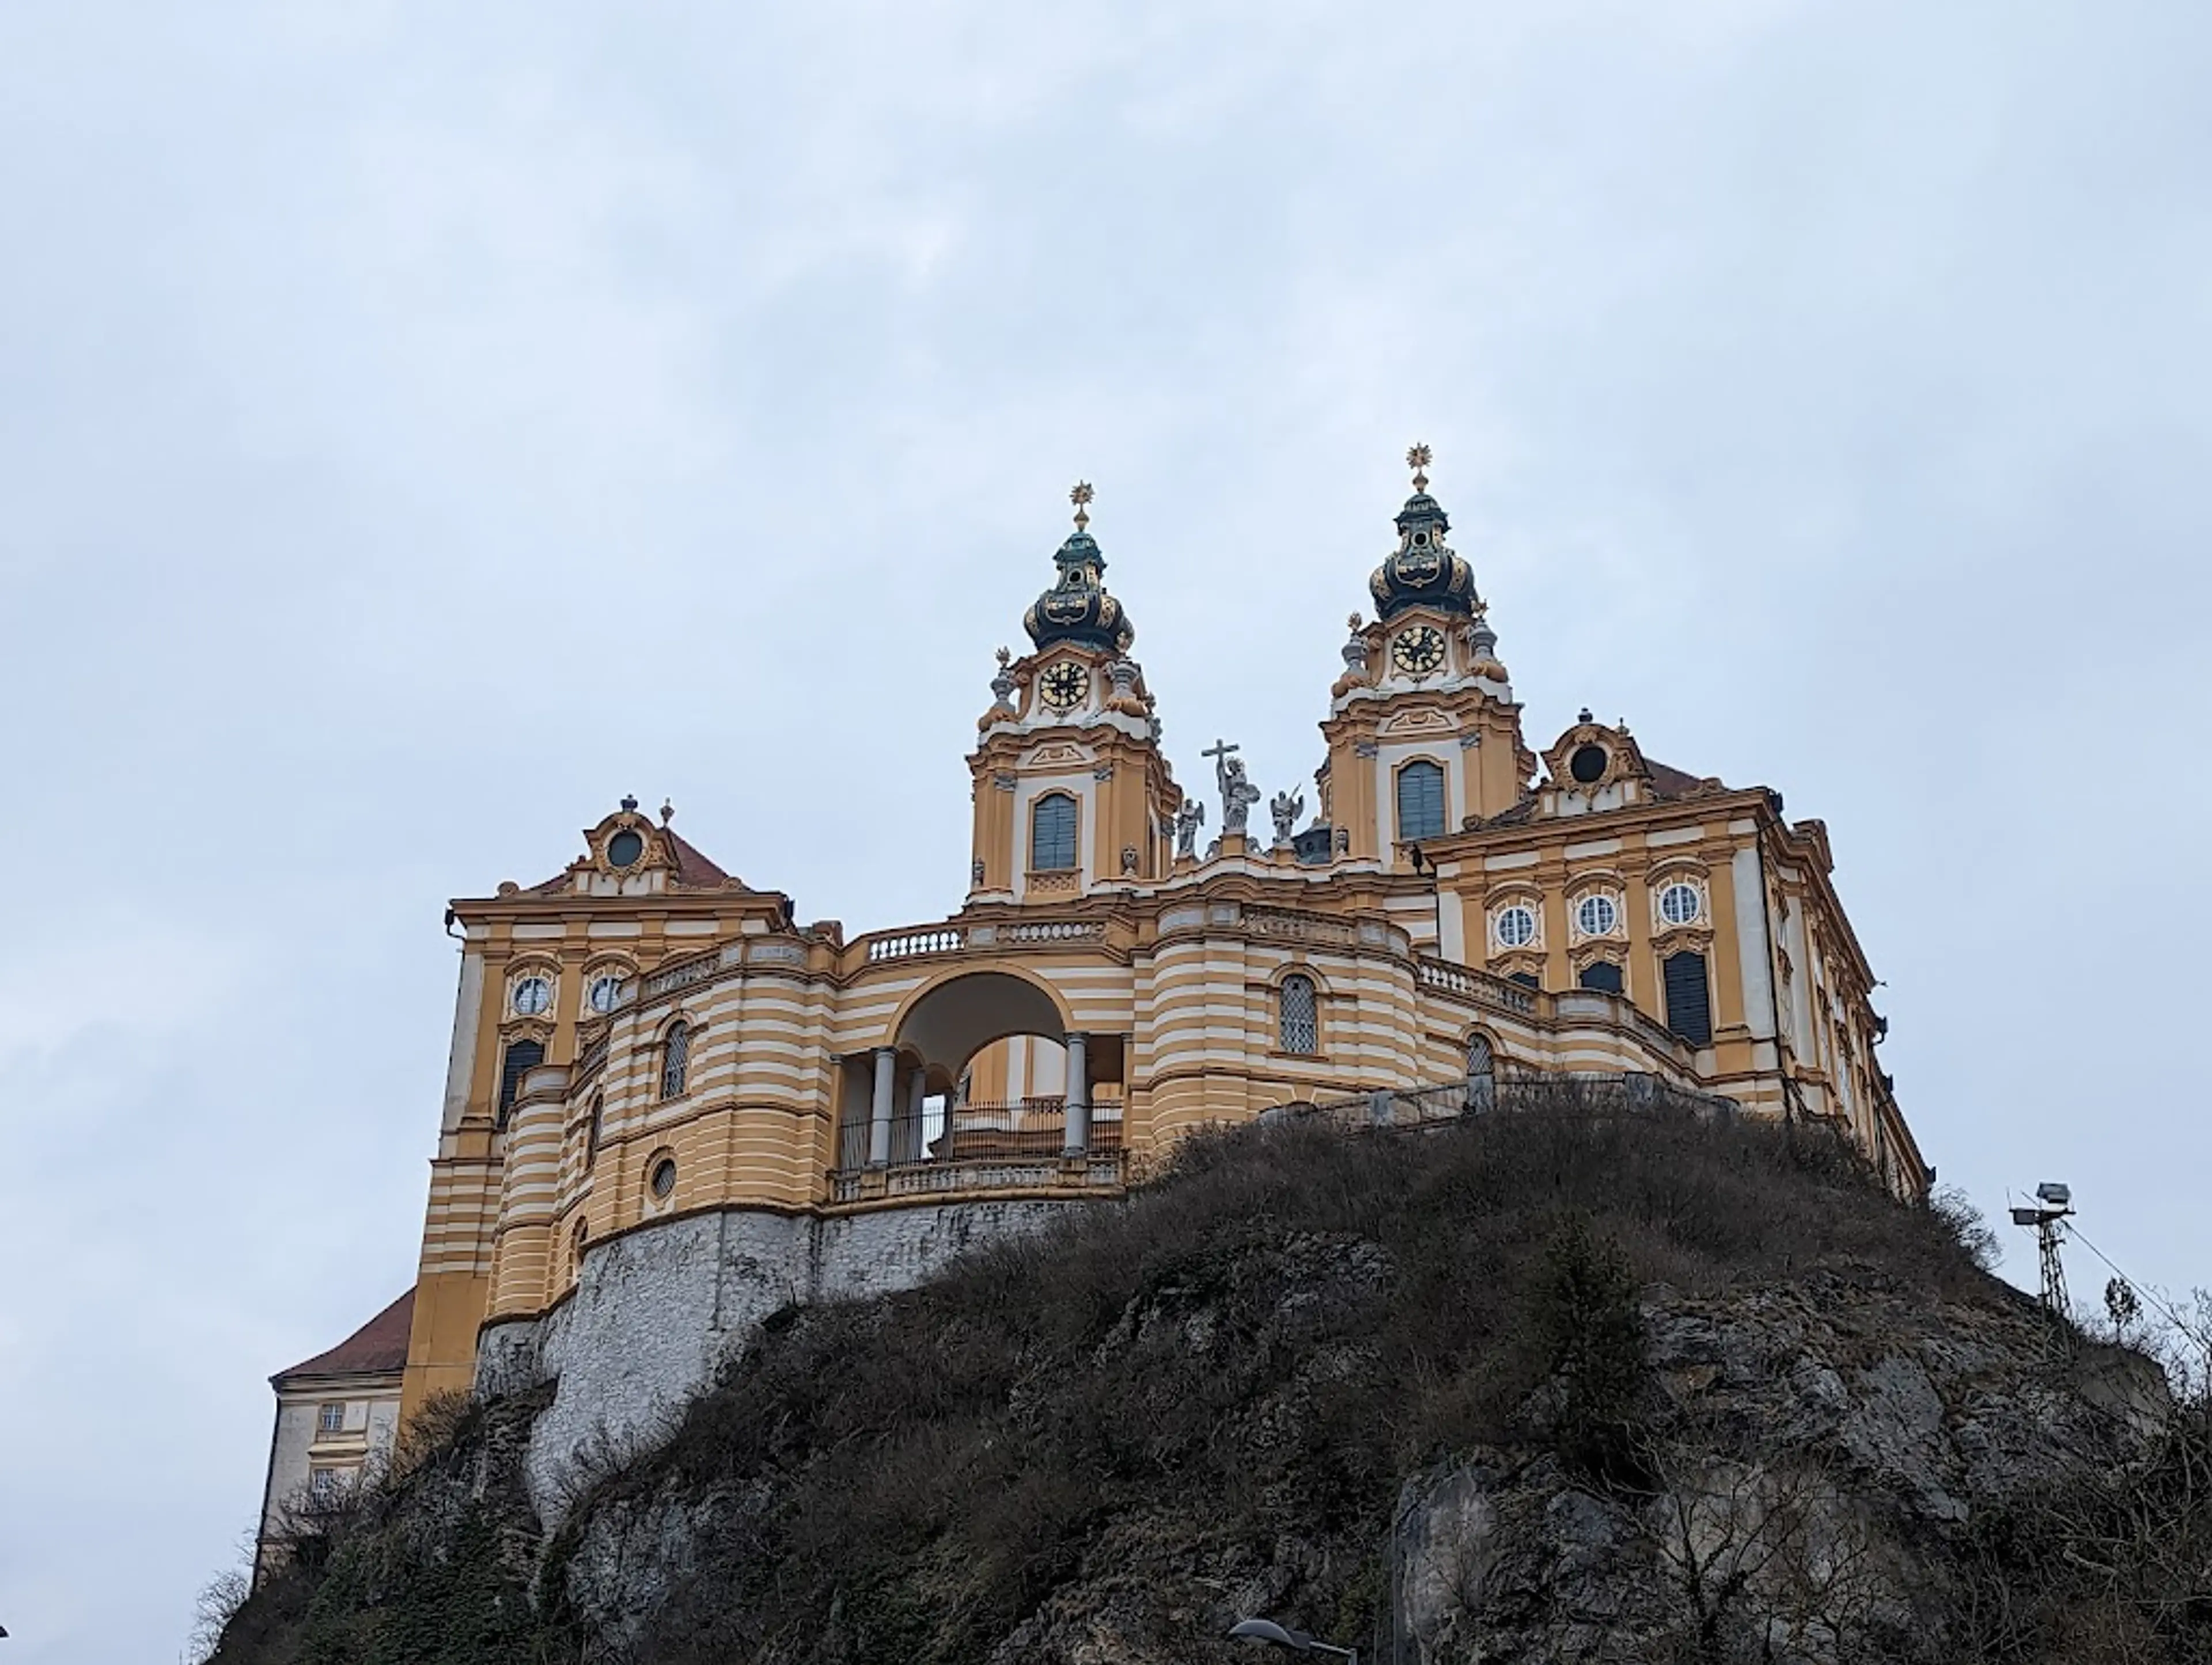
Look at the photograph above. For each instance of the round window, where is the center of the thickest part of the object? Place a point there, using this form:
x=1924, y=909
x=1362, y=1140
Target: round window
x=1596, y=915
x=1516, y=926
x=663, y=1177
x=1678, y=905
x=532, y=995
x=604, y=991
x=624, y=849
x=1587, y=764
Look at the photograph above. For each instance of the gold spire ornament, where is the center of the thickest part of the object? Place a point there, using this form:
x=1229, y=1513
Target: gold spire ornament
x=1080, y=496
x=1418, y=459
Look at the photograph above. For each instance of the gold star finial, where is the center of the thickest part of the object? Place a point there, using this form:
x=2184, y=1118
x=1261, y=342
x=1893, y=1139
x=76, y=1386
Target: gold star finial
x=1418, y=459
x=1080, y=496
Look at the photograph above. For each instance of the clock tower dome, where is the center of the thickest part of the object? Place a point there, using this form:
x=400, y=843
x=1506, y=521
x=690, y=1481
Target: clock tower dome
x=1071, y=795
x=1424, y=733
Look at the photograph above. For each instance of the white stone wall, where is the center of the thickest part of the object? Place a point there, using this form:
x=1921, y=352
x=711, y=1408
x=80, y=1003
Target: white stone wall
x=659, y=1311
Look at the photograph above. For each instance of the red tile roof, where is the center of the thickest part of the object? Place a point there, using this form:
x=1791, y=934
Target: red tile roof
x=1671, y=782
x=691, y=867
x=693, y=870
x=380, y=1345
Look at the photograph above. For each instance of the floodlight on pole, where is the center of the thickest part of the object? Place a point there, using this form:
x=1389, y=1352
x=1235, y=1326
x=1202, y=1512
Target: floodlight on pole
x=1281, y=1636
x=2053, y=1206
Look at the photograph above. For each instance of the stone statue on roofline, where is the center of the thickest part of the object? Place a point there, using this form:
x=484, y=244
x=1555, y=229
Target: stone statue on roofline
x=1286, y=808
x=1188, y=819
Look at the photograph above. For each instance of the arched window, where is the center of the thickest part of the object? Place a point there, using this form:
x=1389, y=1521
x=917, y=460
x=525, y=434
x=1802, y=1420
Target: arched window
x=1601, y=974
x=675, y=1059
x=1052, y=833
x=1689, y=998
x=1298, y=1015
x=522, y=1057
x=1482, y=1071
x=593, y=1131
x=1420, y=801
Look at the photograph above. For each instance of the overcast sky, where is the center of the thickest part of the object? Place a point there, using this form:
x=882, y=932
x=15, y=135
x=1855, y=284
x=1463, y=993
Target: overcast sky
x=420, y=426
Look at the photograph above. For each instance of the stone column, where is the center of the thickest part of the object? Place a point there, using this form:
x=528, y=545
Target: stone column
x=879, y=1109
x=1078, y=1094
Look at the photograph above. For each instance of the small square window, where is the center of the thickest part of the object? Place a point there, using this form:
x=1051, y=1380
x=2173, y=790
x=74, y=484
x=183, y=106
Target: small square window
x=332, y=1421
x=323, y=1483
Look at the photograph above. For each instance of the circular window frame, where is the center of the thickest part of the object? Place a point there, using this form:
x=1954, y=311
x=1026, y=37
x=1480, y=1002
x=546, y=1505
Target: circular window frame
x=610, y=975
x=660, y=1164
x=532, y=979
x=1515, y=910
x=1580, y=757
x=1593, y=901
x=1681, y=887
x=636, y=845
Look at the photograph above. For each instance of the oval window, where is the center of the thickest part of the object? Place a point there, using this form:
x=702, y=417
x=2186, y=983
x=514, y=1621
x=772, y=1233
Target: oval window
x=1596, y=915
x=532, y=996
x=1678, y=905
x=604, y=991
x=624, y=849
x=1517, y=926
x=663, y=1177
x=1587, y=764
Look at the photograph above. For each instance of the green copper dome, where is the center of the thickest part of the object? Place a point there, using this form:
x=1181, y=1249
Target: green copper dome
x=1077, y=609
x=1422, y=571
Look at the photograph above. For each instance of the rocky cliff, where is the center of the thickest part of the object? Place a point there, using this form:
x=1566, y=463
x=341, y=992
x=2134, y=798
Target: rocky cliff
x=1576, y=1384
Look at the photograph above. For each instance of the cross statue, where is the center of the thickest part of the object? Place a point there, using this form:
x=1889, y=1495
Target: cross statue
x=1218, y=750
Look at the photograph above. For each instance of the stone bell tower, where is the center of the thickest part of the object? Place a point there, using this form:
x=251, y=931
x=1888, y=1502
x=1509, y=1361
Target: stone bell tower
x=1423, y=734
x=1072, y=794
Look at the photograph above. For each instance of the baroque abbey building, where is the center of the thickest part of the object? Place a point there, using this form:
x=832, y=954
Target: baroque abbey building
x=673, y=1108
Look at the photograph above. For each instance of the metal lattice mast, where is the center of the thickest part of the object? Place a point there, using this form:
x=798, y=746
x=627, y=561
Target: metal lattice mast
x=2054, y=1204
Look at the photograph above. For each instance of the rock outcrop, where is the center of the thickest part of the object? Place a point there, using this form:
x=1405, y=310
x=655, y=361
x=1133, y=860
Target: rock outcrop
x=1576, y=1386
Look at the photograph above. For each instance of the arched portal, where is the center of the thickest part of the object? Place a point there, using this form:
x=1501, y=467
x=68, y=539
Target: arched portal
x=939, y=1090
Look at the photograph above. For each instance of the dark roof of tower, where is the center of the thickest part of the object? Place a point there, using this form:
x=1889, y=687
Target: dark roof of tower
x=1422, y=571
x=1077, y=608
x=377, y=1347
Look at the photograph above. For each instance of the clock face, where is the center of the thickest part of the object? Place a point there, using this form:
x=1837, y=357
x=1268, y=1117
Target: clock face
x=603, y=993
x=532, y=995
x=1419, y=651
x=1064, y=684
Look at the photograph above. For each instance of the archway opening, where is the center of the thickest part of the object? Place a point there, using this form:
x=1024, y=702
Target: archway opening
x=980, y=1069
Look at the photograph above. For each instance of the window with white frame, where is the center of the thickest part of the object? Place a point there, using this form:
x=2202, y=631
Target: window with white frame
x=1679, y=904
x=1420, y=801
x=1298, y=1014
x=1052, y=833
x=1597, y=914
x=331, y=1420
x=675, y=1060
x=1517, y=925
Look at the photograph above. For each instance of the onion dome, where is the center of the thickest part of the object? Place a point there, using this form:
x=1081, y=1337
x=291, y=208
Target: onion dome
x=1077, y=609
x=1421, y=572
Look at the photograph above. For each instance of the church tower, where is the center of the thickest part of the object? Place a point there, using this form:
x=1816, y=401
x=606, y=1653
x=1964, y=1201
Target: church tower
x=1423, y=734
x=1072, y=794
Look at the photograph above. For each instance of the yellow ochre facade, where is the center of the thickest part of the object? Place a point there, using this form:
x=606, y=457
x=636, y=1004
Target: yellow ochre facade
x=646, y=1040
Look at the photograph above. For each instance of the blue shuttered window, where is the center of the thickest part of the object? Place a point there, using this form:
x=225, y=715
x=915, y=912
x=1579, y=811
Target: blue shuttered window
x=522, y=1057
x=1052, y=833
x=1689, y=998
x=1420, y=801
x=1602, y=974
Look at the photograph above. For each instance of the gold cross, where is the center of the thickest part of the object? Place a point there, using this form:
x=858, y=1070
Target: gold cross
x=1081, y=498
x=1418, y=459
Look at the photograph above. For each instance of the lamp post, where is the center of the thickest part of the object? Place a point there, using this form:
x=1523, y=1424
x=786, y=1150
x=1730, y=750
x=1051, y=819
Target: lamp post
x=1297, y=1642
